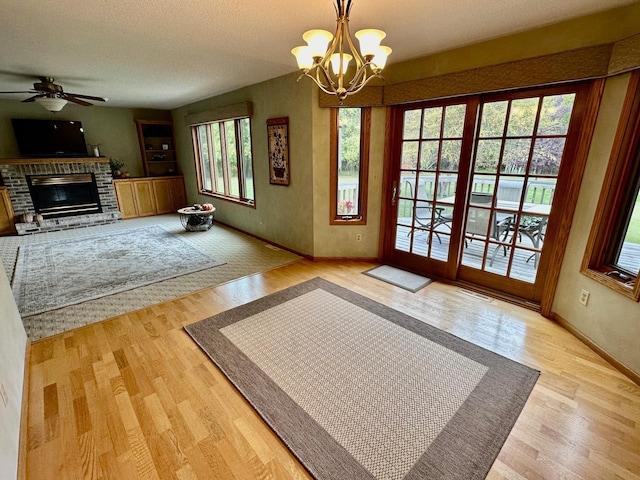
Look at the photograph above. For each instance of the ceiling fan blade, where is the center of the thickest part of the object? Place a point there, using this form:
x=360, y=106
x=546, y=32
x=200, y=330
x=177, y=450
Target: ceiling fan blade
x=32, y=99
x=27, y=91
x=88, y=97
x=72, y=98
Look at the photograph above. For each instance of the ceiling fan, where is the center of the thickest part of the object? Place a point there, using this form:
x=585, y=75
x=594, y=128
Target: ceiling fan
x=52, y=97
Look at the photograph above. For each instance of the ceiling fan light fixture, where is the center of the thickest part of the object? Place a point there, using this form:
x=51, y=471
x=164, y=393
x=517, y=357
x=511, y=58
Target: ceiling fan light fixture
x=53, y=104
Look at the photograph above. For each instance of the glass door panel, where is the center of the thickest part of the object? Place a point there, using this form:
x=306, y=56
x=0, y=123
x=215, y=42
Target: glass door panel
x=519, y=148
x=427, y=183
x=473, y=186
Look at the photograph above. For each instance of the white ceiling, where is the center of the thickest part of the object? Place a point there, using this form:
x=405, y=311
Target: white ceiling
x=169, y=53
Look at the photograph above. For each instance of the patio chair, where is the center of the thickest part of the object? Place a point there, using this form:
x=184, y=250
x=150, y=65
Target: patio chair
x=534, y=229
x=427, y=216
x=482, y=222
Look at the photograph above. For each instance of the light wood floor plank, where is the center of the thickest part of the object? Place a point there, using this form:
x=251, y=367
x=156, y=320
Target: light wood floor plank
x=134, y=397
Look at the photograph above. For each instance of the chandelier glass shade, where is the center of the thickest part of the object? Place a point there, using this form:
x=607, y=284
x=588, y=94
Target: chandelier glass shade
x=326, y=58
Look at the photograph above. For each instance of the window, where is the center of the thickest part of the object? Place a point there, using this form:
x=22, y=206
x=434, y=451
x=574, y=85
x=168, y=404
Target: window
x=613, y=251
x=350, y=133
x=223, y=159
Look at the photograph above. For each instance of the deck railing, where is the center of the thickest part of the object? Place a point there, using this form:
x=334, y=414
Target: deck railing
x=537, y=191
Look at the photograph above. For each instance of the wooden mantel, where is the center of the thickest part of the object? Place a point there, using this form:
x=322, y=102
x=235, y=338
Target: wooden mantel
x=42, y=161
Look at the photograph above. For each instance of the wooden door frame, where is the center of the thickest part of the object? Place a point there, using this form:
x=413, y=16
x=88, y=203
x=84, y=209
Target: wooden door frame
x=390, y=171
x=568, y=188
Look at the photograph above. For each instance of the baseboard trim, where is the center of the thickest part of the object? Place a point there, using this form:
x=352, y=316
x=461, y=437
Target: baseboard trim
x=621, y=367
x=24, y=414
x=303, y=255
x=346, y=259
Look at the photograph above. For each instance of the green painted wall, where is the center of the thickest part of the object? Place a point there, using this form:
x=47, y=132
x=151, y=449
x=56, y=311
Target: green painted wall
x=596, y=29
x=282, y=214
x=113, y=128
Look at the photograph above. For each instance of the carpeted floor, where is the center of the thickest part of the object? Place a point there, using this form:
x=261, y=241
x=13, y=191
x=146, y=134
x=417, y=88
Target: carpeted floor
x=243, y=255
x=358, y=390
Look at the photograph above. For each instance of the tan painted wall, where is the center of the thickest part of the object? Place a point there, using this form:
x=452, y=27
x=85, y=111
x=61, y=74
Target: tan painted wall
x=283, y=214
x=113, y=128
x=12, y=363
x=610, y=320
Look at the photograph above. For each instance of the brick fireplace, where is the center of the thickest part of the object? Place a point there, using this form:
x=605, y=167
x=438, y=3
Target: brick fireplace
x=18, y=174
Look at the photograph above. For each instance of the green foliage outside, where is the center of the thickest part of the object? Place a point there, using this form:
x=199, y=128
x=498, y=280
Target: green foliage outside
x=520, y=126
x=633, y=232
x=349, y=143
x=229, y=134
x=437, y=134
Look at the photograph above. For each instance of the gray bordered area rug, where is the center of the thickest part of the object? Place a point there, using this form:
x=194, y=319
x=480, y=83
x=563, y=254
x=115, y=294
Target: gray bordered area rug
x=53, y=275
x=399, y=278
x=358, y=390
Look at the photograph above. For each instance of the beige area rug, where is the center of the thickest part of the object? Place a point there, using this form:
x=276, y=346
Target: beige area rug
x=399, y=278
x=80, y=269
x=357, y=390
x=244, y=255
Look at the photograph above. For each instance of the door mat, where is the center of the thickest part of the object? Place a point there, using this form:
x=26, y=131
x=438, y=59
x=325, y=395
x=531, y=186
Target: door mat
x=399, y=278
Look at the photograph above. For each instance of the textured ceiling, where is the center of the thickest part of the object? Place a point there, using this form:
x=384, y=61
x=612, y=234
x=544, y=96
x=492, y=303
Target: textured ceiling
x=165, y=54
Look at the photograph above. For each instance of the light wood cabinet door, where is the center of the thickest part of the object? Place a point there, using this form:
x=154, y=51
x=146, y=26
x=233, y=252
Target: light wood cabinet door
x=126, y=199
x=145, y=202
x=143, y=197
x=6, y=213
x=163, y=197
x=178, y=194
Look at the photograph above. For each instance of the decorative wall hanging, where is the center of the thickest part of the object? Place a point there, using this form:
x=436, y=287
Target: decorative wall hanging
x=278, y=135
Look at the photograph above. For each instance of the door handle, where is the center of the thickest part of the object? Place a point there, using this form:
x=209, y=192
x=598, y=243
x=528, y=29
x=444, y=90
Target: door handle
x=394, y=193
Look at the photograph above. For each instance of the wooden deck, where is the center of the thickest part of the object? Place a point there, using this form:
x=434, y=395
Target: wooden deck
x=524, y=266
x=630, y=257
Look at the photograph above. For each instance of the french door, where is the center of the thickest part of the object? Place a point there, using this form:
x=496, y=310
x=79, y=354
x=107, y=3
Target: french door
x=475, y=184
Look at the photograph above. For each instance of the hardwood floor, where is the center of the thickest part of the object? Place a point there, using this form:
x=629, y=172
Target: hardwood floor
x=134, y=397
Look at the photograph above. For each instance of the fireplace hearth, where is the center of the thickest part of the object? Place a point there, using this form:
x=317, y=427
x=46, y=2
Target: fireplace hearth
x=56, y=196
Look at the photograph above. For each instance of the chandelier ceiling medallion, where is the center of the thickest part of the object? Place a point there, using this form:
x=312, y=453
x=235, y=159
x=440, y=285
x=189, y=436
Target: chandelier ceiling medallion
x=325, y=59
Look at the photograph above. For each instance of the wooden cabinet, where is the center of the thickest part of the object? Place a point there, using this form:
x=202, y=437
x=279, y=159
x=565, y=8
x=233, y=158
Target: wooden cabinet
x=143, y=197
x=6, y=213
x=157, y=146
x=162, y=196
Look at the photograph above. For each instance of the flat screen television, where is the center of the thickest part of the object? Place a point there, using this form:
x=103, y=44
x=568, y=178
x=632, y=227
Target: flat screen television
x=49, y=138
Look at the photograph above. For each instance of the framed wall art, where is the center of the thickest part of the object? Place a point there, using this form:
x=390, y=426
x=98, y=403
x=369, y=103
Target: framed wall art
x=278, y=136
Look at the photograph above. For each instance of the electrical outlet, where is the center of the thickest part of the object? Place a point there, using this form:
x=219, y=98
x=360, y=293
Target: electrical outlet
x=584, y=297
x=3, y=394
x=358, y=237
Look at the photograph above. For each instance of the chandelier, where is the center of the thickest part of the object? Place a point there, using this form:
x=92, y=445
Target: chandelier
x=326, y=58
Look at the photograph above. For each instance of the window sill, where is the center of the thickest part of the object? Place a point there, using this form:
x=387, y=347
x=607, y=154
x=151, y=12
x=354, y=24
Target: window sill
x=246, y=203
x=350, y=221
x=618, y=285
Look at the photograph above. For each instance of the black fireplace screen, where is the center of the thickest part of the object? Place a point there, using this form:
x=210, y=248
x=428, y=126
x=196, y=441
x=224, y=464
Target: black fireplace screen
x=64, y=195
